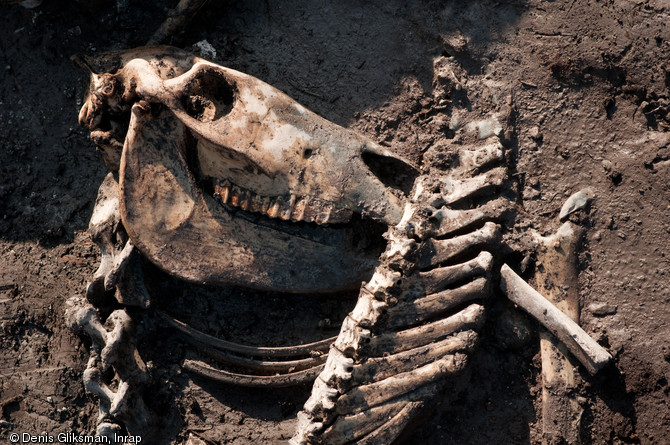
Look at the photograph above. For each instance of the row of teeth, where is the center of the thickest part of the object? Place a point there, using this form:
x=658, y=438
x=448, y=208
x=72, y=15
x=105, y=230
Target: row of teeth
x=294, y=208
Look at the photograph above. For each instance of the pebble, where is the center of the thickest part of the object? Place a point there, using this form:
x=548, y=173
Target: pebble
x=576, y=201
x=535, y=133
x=602, y=309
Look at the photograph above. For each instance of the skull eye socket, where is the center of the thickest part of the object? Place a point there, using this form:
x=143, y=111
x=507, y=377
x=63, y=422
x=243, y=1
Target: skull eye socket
x=209, y=96
x=392, y=172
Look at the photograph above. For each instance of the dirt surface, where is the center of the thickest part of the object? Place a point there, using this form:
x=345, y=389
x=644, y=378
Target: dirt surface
x=587, y=85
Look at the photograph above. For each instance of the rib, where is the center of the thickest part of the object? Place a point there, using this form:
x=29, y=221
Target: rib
x=449, y=221
x=379, y=368
x=469, y=318
x=426, y=308
x=438, y=279
x=435, y=252
x=403, y=385
x=259, y=381
x=457, y=190
x=198, y=338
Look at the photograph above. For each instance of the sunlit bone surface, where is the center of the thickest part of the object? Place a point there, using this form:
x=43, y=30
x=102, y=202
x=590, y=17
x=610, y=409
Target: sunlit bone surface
x=218, y=169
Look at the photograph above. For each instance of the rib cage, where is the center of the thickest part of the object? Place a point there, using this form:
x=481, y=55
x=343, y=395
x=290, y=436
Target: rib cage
x=416, y=320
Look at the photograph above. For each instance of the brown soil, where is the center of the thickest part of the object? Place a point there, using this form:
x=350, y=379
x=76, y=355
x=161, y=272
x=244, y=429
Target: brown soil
x=588, y=83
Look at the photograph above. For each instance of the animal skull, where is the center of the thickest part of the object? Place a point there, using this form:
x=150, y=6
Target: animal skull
x=226, y=180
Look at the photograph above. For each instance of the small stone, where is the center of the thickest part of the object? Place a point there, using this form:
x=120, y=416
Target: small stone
x=206, y=49
x=602, y=309
x=535, y=133
x=576, y=201
x=50, y=400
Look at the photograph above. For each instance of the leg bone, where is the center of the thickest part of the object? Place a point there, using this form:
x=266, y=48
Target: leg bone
x=593, y=356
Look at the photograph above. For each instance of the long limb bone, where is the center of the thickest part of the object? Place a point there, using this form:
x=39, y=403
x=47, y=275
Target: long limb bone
x=557, y=281
x=593, y=356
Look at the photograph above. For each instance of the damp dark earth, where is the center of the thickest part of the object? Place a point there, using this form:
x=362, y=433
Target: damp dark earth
x=586, y=89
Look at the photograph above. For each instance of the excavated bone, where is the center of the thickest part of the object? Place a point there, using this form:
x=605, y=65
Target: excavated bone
x=216, y=169
x=433, y=252
x=207, y=341
x=575, y=202
x=259, y=151
x=393, y=427
x=593, y=356
x=369, y=380
x=471, y=317
x=352, y=428
x=398, y=385
x=438, y=279
x=260, y=381
x=446, y=221
x=379, y=368
x=112, y=348
x=481, y=156
x=454, y=190
x=435, y=305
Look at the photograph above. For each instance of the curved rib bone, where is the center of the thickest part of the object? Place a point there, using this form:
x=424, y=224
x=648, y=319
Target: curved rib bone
x=446, y=221
x=260, y=381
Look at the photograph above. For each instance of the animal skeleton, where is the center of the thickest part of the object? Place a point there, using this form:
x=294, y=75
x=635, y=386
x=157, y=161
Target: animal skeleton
x=222, y=179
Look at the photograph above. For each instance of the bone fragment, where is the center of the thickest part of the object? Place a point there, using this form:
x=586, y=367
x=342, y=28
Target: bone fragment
x=557, y=281
x=576, y=201
x=177, y=18
x=81, y=316
x=474, y=159
x=118, y=353
x=348, y=429
x=390, y=430
x=434, y=252
x=263, y=366
x=258, y=381
x=593, y=356
x=399, y=385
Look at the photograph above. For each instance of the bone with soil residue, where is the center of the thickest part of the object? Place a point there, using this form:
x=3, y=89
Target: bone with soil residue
x=593, y=356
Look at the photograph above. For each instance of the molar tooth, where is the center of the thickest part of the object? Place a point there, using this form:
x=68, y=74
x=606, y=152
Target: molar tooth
x=288, y=208
x=324, y=216
x=299, y=209
x=265, y=204
x=223, y=191
x=235, y=198
x=245, y=198
x=273, y=209
x=255, y=202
